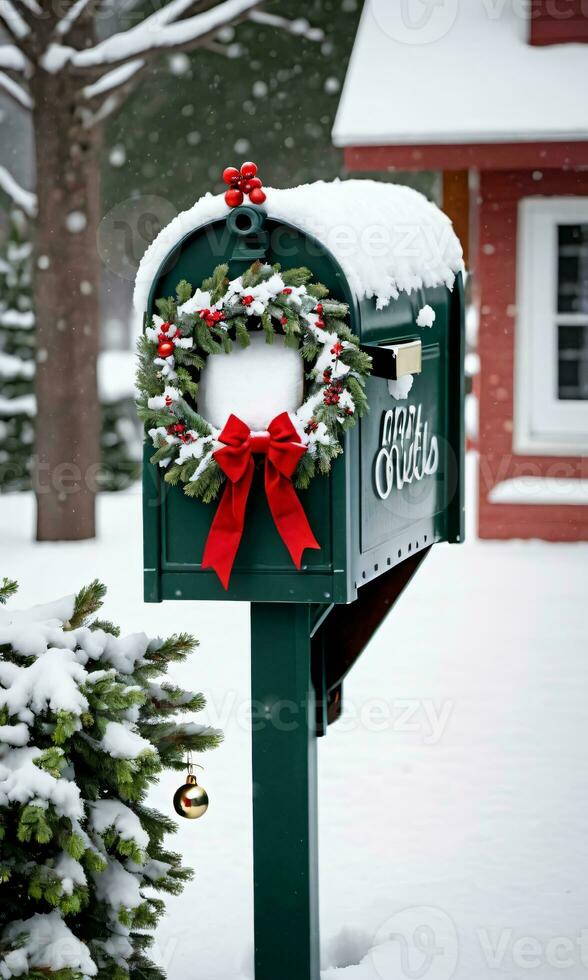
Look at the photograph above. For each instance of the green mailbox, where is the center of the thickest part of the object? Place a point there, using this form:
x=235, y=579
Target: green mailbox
x=395, y=490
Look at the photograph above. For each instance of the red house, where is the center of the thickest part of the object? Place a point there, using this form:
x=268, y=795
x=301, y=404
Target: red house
x=494, y=95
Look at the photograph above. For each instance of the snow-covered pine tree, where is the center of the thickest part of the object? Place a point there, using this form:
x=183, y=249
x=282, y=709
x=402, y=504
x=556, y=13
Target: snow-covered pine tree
x=85, y=729
x=17, y=357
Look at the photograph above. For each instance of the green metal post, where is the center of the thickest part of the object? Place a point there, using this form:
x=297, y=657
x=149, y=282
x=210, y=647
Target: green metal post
x=285, y=850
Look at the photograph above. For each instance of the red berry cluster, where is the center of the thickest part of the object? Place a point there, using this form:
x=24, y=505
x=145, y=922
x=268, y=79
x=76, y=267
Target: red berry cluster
x=247, y=300
x=242, y=182
x=179, y=429
x=312, y=426
x=337, y=349
x=211, y=317
x=332, y=393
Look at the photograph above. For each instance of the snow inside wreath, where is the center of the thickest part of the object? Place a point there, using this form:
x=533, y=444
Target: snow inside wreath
x=292, y=383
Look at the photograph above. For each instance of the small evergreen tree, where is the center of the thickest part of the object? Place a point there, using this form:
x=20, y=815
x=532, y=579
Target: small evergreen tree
x=120, y=438
x=85, y=729
x=17, y=357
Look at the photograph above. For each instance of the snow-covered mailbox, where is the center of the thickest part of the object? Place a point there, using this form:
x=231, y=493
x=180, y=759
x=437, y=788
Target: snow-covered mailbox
x=302, y=387
x=390, y=256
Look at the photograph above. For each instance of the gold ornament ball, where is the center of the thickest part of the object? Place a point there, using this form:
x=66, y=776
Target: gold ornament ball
x=191, y=800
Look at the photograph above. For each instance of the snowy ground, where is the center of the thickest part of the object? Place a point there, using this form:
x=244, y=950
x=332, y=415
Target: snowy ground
x=453, y=795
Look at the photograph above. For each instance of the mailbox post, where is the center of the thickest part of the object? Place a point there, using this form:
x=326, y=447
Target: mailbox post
x=396, y=490
x=284, y=746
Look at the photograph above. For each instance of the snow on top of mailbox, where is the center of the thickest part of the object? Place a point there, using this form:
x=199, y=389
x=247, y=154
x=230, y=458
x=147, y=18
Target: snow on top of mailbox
x=387, y=238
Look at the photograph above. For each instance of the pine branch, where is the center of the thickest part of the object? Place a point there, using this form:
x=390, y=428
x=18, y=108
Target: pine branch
x=175, y=649
x=106, y=626
x=87, y=601
x=8, y=588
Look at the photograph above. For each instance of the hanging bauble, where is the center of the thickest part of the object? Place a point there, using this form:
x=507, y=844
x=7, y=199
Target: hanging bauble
x=191, y=800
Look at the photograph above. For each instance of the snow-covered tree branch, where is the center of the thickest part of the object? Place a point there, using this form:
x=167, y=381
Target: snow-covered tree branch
x=15, y=92
x=160, y=32
x=299, y=27
x=24, y=199
x=13, y=22
x=64, y=26
x=12, y=59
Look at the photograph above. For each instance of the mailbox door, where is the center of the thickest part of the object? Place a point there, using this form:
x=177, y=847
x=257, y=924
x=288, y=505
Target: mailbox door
x=411, y=448
x=176, y=526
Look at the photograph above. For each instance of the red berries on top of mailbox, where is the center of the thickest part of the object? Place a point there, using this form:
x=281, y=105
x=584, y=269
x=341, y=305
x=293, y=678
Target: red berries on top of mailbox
x=243, y=182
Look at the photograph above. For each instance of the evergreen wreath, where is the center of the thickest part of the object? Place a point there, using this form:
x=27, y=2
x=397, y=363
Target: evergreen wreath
x=206, y=322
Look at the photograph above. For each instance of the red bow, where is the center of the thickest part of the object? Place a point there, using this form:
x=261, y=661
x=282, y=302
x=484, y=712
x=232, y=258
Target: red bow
x=282, y=449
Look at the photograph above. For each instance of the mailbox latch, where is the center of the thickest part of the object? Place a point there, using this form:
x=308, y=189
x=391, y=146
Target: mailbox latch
x=393, y=361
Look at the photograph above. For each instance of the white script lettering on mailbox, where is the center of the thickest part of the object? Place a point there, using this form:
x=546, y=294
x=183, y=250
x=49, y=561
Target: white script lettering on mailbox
x=408, y=450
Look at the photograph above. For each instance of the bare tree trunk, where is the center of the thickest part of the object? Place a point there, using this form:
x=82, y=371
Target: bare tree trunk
x=66, y=303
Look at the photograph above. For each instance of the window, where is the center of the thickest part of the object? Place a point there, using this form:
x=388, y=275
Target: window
x=551, y=375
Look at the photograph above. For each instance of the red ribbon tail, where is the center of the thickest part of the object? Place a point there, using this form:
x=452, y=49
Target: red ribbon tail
x=288, y=514
x=226, y=529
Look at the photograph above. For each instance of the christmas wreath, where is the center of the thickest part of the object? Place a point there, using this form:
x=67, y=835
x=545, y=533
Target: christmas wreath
x=208, y=321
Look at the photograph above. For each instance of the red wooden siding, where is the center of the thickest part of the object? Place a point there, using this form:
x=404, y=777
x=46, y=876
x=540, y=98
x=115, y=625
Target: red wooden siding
x=500, y=193
x=459, y=156
x=558, y=22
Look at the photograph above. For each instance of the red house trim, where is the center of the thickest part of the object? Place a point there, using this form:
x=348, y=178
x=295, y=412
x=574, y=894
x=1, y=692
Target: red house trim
x=459, y=156
x=558, y=22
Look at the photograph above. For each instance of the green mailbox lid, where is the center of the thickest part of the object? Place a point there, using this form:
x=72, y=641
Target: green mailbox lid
x=363, y=531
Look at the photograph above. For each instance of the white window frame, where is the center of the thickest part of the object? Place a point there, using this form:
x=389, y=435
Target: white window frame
x=544, y=424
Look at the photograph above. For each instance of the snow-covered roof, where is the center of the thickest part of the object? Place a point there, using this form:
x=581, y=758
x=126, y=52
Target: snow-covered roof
x=458, y=73
x=386, y=237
